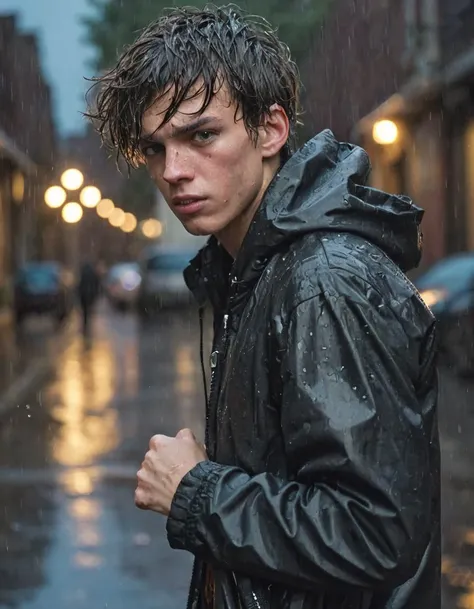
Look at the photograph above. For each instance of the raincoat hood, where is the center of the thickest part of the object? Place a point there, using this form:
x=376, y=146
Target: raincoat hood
x=322, y=188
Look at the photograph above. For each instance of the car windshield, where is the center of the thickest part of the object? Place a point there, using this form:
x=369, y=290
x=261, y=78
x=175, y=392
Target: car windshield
x=119, y=270
x=169, y=262
x=452, y=274
x=40, y=277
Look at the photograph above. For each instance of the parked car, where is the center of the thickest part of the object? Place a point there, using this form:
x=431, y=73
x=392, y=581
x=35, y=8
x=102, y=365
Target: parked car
x=121, y=285
x=448, y=289
x=163, y=283
x=43, y=288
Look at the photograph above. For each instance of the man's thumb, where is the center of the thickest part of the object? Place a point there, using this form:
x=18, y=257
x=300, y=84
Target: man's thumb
x=185, y=434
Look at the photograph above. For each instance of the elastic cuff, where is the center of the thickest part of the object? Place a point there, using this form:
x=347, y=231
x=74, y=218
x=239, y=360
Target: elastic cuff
x=190, y=504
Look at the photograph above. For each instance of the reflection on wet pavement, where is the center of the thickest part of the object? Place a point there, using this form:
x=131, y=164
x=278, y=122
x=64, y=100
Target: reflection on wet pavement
x=456, y=412
x=70, y=534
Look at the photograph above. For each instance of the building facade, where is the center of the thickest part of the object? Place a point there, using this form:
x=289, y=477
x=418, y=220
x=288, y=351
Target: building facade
x=410, y=62
x=27, y=152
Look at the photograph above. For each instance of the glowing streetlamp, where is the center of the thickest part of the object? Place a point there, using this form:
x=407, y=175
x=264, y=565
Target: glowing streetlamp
x=54, y=196
x=72, y=213
x=72, y=179
x=385, y=132
x=117, y=217
x=90, y=196
x=105, y=208
x=151, y=228
x=129, y=223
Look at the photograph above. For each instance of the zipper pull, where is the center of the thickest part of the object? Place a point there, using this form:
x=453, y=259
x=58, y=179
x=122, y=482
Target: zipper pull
x=213, y=359
x=226, y=319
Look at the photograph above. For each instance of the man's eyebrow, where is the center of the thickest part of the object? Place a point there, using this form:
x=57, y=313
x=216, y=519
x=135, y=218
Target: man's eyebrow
x=190, y=127
x=182, y=130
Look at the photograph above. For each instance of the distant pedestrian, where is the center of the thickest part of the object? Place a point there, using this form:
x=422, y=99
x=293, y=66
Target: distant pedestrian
x=88, y=292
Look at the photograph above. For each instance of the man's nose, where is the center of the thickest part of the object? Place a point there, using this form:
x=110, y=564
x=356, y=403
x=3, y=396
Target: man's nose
x=177, y=167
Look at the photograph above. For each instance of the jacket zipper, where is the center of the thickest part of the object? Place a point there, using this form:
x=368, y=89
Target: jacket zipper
x=211, y=418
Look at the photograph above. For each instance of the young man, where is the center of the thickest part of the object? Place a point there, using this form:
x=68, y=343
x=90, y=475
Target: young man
x=318, y=486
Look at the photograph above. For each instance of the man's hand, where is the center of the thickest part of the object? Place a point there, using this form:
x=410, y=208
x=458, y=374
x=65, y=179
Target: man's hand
x=164, y=466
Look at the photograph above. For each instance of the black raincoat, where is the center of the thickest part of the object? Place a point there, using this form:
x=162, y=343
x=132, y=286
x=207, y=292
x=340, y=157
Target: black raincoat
x=322, y=489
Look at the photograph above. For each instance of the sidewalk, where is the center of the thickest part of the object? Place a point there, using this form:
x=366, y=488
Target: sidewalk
x=26, y=359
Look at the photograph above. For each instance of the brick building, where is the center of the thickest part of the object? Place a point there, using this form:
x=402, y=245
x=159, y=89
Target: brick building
x=412, y=62
x=27, y=152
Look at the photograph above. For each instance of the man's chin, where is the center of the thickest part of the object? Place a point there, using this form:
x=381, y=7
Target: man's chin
x=197, y=229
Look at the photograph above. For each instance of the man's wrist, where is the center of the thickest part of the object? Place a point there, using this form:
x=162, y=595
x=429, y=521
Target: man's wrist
x=191, y=503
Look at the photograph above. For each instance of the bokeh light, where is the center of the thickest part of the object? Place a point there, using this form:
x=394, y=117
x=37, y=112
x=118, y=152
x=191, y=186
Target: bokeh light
x=55, y=196
x=72, y=212
x=72, y=179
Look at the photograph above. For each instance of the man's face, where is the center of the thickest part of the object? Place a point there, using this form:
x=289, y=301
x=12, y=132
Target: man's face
x=206, y=166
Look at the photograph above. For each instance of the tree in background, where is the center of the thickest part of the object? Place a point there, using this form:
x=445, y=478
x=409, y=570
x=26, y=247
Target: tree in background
x=117, y=23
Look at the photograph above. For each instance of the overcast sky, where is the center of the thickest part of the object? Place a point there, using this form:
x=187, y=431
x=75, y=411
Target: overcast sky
x=64, y=54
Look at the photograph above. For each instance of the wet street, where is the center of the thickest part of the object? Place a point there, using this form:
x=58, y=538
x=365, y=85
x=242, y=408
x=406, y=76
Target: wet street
x=70, y=535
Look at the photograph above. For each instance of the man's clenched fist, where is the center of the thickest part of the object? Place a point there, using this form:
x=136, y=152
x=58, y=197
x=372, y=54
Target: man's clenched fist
x=164, y=466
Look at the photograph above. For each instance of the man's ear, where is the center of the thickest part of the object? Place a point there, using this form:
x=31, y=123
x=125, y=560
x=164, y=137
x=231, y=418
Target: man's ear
x=274, y=132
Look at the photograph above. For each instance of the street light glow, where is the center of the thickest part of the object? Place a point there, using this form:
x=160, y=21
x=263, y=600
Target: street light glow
x=129, y=223
x=72, y=179
x=105, y=208
x=152, y=228
x=55, y=196
x=90, y=196
x=72, y=213
x=385, y=132
x=117, y=217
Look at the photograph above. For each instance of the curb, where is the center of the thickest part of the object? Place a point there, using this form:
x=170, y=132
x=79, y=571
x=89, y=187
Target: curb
x=38, y=371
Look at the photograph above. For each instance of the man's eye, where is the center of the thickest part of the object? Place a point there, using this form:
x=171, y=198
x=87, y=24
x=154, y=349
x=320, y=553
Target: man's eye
x=203, y=136
x=152, y=150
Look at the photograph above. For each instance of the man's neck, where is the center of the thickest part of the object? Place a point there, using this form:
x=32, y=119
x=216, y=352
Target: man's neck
x=233, y=235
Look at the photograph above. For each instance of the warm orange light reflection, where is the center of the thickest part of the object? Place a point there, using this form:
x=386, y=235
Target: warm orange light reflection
x=466, y=601
x=87, y=560
x=85, y=387
x=469, y=537
x=88, y=536
x=77, y=482
x=85, y=508
x=186, y=371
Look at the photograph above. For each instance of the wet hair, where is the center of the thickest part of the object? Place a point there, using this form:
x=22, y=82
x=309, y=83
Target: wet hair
x=189, y=52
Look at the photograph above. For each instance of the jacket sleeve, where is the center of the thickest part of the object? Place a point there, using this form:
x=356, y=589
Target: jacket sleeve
x=356, y=510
